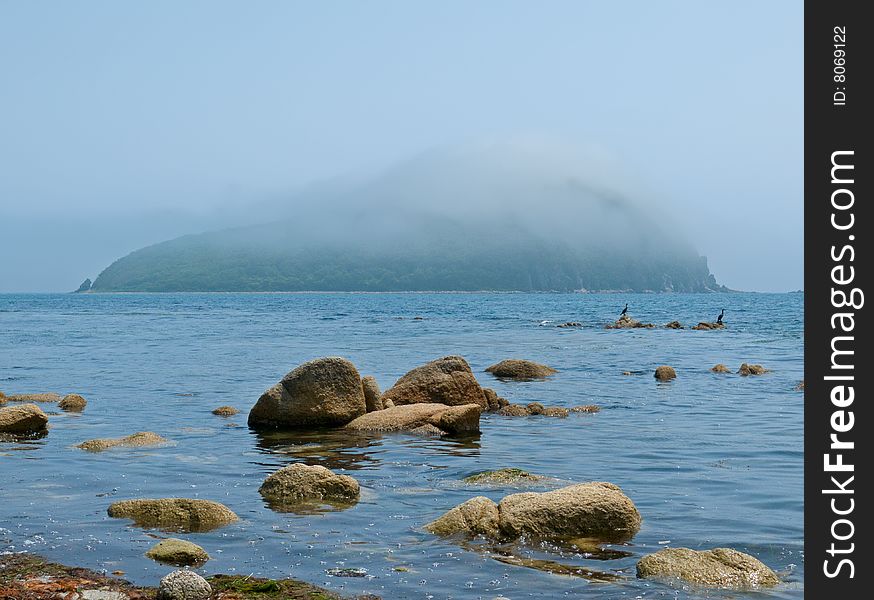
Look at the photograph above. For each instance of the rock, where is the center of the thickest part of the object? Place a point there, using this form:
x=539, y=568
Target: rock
x=183, y=585
x=477, y=516
x=178, y=552
x=595, y=510
x=225, y=411
x=84, y=287
x=45, y=397
x=176, y=514
x=372, y=395
x=570, y=324
x=492, y=399
x=514, y=410
x=534, y=408
x=704, y=326
x=136, y=440
x=72, y=402
x=798, y=388
x=388, y=403
x=2, y=398
x=26, y=418
x=665, y=373
x=447, y=380
x=555, y=411
x=523, y=370
x=299, y=483
x=627, y=373
x=746, y=369
x=503, y=477
x=409, y=417
x=626, y=322
x=720, y=567
x=325, y=392
x=588, y=408
x=673, y=325
x=102, y=595
x=720, y=368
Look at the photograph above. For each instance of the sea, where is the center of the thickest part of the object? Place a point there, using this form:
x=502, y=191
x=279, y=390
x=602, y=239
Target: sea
x=710, y=460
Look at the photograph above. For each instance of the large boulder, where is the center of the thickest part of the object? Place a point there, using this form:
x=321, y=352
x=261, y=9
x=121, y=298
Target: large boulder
x=720, y=567
x=299, y=483
x=183, y=585
x=26, y=418
x=174, y=514
x=372, y=395
x=72, y=403
x=325, y=392
x=522, y=370
x=177, y=552
x=140, y=439
x=596, y=510
x=447, y=380
x=421, y=418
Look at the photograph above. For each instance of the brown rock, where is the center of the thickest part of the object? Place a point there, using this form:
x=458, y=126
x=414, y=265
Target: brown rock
x=719, y=568
x=494, y=401
x=411, y=417
x=665, y=373
x=300, y=483
x=720, y=368
x=178, y=552
x=447, y=380
x=477, y=516
x=46, y=397
x=72, y=402
x=534, y=408
x=514, y=410
x=372, y=395
x=704, y=326
x=137, y=440
x=746, y=369
x=555, y=411
x=626, y=322
x=673, y=325
x=523, y=370
x=325, y=392
x=225, y=411
x=26, y=418
x=588, y=408
x=177, y=514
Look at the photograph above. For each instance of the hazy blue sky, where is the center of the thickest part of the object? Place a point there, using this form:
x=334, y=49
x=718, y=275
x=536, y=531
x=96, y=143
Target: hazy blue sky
x=126, y=123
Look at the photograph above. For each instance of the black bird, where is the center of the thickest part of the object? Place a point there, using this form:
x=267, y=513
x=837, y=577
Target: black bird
x=719, y=318
x=624, y=310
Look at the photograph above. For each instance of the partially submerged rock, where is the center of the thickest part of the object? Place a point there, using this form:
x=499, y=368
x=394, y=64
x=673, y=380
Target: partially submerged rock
x=43, y=397
x=569, y=324
x=447, y=380
x=225, y=411
x=372, y=395
x=325, y=392
x=444, y=419
x=523, y=370
x=494, y=401
x=704, y=326
x=533, y=409
x=299, y=483
x=665, y=373
x=137, y=440
x=503, y=477
x=720, y=567
x=720, y=368
x=73, y=403
x=673, y=325
x=746, y=369
x=177, y=552
x=183, y=585
x=175, y=514
x=800, y=386
x=597, y=510
x=555, y=411
x=513, y=410
x=626, y=322
x=26, y=418
x=586, y=408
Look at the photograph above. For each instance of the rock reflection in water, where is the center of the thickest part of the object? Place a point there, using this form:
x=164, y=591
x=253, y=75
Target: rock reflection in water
x=333, y=449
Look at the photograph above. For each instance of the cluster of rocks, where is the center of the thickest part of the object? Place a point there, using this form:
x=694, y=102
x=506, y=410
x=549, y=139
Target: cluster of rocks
x=745, y=369
x=534, y=409
x=27, y=418
x=626, y=322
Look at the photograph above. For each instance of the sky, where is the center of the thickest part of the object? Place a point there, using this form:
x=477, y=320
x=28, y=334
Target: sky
x=124, y=124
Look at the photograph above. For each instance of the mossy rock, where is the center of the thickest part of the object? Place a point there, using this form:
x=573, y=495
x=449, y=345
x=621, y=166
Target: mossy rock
x=178, y=552
x=510, y=475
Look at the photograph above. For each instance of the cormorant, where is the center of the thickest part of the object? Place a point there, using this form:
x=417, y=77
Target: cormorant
x=624, y=310
x=719, y=318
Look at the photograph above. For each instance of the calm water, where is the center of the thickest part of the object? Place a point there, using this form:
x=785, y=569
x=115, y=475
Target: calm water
x=709, y=460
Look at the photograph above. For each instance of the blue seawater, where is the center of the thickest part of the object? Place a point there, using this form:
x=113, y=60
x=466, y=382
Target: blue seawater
x=710, y=460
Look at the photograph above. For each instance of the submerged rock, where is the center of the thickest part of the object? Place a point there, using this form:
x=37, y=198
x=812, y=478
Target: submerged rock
x=522, y=370
x=503, y=476
x=43, y=397
x=73, y=403
x=704, y=325
x=587, y=408
x=137, y=440
x=447, y=380
x=26, y=418
x=183, y=585
x=225, y=411
x=300, y=483
x=746, y=369
x=176, y=514
x=626, y=322
x=673, y=325
x=570, y=324
x=720, y=368
x=555, y=411
x=325, y=392
x=178, y=552
x=720, y=567
x=597, y=510
x=412, y=417
x=372, y=395
x=665, y=373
